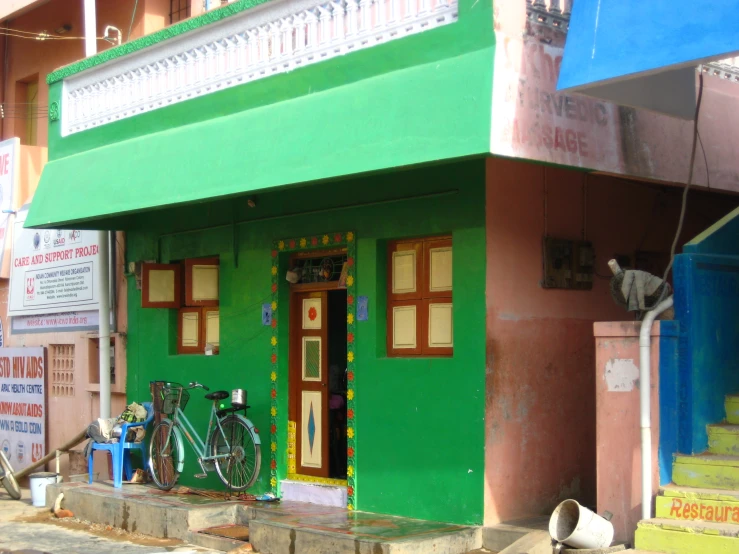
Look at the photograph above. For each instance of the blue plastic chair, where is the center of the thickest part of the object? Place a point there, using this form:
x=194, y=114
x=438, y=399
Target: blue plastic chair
x=120, y=451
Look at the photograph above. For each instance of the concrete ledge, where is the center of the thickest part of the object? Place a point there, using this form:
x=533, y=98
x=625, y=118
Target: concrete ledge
x=162, y=519
x=274, y=537
x=501, y=536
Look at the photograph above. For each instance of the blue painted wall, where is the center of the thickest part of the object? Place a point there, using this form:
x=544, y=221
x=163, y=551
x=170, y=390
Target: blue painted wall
x=707, y=307
x=720, y=238
x=608, y=40
x=668, y=398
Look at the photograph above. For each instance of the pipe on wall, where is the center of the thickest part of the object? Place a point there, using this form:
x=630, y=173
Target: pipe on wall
x=645, y=404
x=104, y=242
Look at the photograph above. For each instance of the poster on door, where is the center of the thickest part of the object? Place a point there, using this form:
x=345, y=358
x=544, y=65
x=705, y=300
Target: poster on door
x=52, y=270
x=22, y=405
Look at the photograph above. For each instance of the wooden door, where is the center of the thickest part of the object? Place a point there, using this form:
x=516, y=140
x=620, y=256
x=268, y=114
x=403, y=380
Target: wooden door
x=309, y=381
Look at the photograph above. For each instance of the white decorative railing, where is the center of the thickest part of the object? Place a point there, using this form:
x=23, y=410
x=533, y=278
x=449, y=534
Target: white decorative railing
x=273, y=38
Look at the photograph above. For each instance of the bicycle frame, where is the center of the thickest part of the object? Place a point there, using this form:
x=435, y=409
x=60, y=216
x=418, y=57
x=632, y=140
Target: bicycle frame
x=196, y=442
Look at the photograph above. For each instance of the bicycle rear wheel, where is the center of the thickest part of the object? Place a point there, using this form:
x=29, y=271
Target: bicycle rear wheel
x=8, y=479
x=241, y=468
x=164, y=456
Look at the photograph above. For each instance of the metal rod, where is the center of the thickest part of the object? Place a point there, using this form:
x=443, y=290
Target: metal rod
x=104, y=326
x=113, y=279
x=66, y=447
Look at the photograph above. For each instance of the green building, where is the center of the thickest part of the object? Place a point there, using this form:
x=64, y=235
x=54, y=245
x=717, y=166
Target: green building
x=346, y=172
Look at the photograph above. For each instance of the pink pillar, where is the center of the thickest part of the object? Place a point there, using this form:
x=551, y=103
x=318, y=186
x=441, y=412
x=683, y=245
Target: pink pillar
x=618, y=451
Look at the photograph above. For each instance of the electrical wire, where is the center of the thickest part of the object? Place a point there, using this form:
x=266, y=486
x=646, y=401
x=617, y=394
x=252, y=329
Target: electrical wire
x=133, y=15
x=17, y=33
x=705, y=161
x=687, y=185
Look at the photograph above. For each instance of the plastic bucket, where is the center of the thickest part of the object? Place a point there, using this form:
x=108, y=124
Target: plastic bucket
x=576, y=526
x=38, y=483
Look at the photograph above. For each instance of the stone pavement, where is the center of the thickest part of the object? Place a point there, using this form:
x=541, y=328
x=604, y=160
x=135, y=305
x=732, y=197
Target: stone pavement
x=25, y=529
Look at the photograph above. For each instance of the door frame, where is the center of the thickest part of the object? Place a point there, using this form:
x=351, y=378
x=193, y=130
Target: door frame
x=282, y=430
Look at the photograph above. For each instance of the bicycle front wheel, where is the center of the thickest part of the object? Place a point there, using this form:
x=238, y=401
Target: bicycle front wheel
x=240, y=468
x=165, y=454
x=8, y=479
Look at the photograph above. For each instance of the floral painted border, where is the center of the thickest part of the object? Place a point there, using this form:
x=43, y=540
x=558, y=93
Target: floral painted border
x=299, y=244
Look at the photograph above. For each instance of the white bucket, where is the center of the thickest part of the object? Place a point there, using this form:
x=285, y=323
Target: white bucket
x=576, y=526
x=38, y=483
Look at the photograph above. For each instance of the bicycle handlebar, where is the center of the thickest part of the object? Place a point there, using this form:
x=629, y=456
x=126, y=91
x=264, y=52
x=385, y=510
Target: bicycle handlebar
x=196, y=385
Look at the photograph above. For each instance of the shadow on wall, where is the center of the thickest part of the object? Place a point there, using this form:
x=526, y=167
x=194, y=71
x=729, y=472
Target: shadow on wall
x=540, y=414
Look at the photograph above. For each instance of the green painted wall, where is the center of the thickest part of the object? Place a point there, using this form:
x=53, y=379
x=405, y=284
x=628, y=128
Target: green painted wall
x=472, y=32
x=420, y=422
x=411, y=101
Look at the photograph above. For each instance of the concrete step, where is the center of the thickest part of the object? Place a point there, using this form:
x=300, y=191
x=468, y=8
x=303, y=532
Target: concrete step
x=706, y=471
x=360, y=533
x=137, y=508
x=723, y=438
x=731, y=404
x=697, y=509
x=673, y=490
x=221, y=537
x=687, y=537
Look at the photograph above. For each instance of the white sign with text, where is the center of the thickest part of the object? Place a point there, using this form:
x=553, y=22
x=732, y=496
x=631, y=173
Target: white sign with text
x=52, y=270
x=22, y=405
x=49, y=323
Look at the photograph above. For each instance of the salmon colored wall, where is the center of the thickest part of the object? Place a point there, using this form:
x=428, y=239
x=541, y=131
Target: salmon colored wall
x=30, y=57
x=618, y=450
x=540, y=415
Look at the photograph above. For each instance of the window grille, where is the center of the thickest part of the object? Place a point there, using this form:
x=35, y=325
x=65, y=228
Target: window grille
x=320, y=269
x=178, y=10
x=61, y=357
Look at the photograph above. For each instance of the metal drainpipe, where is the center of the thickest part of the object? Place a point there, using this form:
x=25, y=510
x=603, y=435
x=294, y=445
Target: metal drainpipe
x=103, y=241
x=113, y=285
x=645, y=403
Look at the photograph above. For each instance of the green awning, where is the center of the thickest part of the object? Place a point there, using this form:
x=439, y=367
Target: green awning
x=417, y=115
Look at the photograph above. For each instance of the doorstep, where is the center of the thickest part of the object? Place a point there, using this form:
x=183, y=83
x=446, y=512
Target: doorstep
x=314, y=493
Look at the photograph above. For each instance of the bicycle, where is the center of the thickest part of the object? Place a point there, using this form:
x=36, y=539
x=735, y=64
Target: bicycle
x=233, y=443
x=8, y=479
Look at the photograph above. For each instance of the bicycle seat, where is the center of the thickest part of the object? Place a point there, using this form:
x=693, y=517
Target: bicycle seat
x=217, y=395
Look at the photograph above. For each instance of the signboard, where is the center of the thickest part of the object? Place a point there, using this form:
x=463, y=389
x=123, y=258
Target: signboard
x=49, y=323
x=8, y=167
x=52, y=271
x=23, y=405
x=532, y=120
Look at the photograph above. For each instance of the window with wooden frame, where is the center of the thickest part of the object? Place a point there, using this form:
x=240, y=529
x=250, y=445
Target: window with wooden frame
x=419, y=297
x=192, y=288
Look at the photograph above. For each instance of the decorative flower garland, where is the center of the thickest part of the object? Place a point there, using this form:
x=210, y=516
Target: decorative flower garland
x=314, y=243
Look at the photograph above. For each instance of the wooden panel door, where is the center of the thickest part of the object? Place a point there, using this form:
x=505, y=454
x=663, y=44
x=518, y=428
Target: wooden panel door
x=309, y=381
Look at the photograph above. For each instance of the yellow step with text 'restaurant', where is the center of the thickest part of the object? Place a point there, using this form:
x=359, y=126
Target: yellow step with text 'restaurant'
x=687, y=537
x=723, y=439
x=697, y=509
x=731, y=404
x=708, y=471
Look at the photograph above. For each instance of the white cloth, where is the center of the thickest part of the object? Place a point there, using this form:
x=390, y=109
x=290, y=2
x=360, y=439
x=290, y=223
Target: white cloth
x=106, y=426
x=636, y=286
